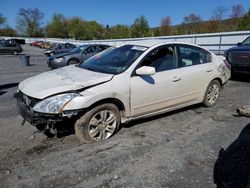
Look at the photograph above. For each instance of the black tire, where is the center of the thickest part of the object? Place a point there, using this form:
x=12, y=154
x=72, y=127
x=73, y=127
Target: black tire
x=14, y=52
x=73, y=61
x=212, y=93
x=88, y=133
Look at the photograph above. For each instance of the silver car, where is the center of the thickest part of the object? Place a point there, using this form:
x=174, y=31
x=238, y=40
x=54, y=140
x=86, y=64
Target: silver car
x=77, y=55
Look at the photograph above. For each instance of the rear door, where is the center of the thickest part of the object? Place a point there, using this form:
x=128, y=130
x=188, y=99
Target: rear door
x=196, y=70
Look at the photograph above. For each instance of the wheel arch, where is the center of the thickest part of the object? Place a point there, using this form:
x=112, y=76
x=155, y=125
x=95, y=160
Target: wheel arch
x=72, y=58
x=219, y=79
x=114, y=101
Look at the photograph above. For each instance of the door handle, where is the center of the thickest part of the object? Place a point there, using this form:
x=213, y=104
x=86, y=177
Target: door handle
x=209, y=70
x=176, y=79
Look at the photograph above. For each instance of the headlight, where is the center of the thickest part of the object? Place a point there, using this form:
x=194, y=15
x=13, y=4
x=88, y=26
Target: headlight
x=55, y=104
x=59, y=59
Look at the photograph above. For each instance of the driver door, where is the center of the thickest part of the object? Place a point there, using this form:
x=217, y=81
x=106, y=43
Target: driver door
x=89, y=52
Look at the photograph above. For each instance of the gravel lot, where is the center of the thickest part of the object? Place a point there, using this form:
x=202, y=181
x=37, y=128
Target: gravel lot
x=177, y=149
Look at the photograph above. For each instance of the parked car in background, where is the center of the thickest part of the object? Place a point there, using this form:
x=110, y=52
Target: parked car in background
x=132, y=81
x=36, y=43
x=46, y=45
x=77, y=55
x=16, y=40
x=239, y=57
x=12, y=48
x=59, y=48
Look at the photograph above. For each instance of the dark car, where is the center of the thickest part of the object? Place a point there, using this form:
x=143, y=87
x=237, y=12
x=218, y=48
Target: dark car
x=77, y=55
x=239, y=57
x=13, y=48
x=59, y=48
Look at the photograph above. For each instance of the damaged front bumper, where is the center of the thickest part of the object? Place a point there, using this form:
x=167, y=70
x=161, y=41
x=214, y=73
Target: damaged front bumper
x=24, y=106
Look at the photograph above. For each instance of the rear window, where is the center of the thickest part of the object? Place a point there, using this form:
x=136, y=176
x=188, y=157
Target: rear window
x=191, y=55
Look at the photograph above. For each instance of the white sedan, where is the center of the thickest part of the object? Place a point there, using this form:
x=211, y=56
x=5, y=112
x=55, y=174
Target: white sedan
x=133, y=81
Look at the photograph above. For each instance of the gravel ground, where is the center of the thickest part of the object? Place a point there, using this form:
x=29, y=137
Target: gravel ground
x=177, y=149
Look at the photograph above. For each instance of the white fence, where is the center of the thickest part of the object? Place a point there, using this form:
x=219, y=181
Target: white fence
x=217, y=42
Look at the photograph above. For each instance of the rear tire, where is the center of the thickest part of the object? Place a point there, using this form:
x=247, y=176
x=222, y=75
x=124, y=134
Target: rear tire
x=100, y=123
x=212, y=93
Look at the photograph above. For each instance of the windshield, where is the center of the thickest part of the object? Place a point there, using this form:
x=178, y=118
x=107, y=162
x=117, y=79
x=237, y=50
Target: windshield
x=114, y=61
x=246, y=42
x=78, y=50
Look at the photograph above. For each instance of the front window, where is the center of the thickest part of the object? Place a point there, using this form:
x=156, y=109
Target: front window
x=162, y=59
x=114, y=61
x=90, y=50
x=78, y=50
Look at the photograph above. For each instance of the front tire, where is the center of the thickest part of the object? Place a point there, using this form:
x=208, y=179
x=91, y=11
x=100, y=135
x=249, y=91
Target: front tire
x=212, y=93
x=100, y=123
x=73, y=61
x=14, y=52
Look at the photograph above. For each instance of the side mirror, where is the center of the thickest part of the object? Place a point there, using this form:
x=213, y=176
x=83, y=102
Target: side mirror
x=145, y=70
x=239, y=44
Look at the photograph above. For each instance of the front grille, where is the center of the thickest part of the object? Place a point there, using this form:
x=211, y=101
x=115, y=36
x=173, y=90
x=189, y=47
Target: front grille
x=27, y=100
x=239, y=57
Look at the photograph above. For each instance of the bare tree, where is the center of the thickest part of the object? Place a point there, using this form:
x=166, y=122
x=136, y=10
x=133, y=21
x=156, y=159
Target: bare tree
x=29, y=22
x=165, y=26
x=2, y=20
x=219, y=13
x=237, y=11
x=192, y=23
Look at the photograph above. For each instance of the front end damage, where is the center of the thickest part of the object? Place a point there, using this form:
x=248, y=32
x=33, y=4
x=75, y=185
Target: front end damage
x=48, y=123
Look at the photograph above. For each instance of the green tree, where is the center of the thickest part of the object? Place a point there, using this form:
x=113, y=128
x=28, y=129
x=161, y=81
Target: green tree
x=140, y=27
x=244, y=23
x=58, y=27
x=77, y=28
x=29, y=22
x=7, y=31
x=97, y=30
x=120, y=31
x=85, y=30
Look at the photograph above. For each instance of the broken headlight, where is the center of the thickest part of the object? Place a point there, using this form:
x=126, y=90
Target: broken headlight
x=54, y=104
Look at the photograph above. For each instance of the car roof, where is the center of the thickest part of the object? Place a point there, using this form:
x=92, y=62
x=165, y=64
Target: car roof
x=156, y=42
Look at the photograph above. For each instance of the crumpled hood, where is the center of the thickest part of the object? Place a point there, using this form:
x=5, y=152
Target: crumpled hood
x=69, y=78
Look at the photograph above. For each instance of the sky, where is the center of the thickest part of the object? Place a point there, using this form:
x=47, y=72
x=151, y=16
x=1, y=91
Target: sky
x=113, y=12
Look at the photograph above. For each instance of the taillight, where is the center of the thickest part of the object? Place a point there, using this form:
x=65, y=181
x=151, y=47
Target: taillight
x=227, y=64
